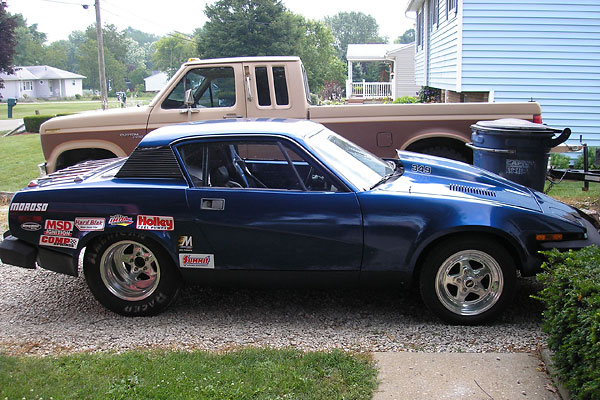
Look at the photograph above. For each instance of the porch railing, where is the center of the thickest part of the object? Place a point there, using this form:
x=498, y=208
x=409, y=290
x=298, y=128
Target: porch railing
x=368, y=90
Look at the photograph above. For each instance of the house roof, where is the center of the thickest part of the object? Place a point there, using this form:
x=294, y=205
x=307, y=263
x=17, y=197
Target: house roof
x=28, y=73
x=414, y=5
x=163, y=75
x=373, y=52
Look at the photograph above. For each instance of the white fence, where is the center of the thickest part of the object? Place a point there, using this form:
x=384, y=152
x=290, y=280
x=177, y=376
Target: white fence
x=368, y=90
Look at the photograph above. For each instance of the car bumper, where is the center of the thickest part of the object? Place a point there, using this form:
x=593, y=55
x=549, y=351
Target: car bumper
x=593, y=239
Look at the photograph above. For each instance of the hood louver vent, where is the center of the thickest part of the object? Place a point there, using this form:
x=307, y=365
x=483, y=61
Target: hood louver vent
x=472, y=190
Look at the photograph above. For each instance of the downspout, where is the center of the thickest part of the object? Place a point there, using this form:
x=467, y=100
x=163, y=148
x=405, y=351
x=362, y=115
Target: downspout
x=459, y=45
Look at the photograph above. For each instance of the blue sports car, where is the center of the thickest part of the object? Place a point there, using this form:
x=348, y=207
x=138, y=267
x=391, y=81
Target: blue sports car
x=285, y=201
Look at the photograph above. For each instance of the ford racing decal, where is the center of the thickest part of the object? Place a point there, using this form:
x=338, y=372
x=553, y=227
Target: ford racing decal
x=59, y=241
x=39, y=207
x=155, y=223
x=58, y=228
x=120, y=220
x=31, y=226
x=87, y=224
x=206, y=261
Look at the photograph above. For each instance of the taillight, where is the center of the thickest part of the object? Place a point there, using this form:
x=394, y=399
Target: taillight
x=33, y=184
x=537, y=118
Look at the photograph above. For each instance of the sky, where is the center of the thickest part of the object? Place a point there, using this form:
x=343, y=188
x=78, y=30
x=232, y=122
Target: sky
x=58, y=18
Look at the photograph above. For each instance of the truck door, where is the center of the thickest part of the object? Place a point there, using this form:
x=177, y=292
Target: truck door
x=217, y=93
x=268, y=91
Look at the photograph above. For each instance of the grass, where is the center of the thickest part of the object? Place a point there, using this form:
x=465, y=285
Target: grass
x=20, y=156
x=242, y=374
x=570, y=192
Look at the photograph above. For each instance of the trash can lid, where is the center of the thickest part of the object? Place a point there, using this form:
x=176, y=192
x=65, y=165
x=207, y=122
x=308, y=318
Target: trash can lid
x=515, y=124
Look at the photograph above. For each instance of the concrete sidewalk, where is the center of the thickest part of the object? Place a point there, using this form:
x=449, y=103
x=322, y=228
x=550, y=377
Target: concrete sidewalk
x=10, y=124
x=497, y=376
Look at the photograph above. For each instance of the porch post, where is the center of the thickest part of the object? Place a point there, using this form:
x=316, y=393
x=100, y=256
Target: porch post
x=349, y=81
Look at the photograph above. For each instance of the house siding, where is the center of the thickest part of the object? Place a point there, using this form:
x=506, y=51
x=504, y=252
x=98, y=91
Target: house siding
x=545, y=50
x=404, y=72
x=443, y=48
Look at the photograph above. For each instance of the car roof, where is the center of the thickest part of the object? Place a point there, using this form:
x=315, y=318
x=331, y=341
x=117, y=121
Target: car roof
x=292, y=128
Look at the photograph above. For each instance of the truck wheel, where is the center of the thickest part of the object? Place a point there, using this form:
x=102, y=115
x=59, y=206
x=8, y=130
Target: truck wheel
x=467, y=281
x=446, y=152
x=130, y=275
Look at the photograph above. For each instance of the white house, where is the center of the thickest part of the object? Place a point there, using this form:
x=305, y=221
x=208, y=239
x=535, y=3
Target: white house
x=41, y=82
x=401, y=60
x=156, y=82
x=515, y=50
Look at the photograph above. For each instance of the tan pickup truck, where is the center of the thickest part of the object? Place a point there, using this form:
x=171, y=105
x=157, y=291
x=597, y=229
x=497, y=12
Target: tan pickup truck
x=269, y=87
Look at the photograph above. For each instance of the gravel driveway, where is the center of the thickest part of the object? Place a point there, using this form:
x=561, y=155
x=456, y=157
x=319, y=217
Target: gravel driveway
x=42, y=312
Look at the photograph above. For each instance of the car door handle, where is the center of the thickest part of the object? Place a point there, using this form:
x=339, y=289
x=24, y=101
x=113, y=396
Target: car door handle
x=212, y=204
x=189, y=110
x=230, y=116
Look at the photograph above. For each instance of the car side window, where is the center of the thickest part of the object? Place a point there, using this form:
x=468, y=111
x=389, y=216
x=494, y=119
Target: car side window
x=211, y=87
x=249, y=164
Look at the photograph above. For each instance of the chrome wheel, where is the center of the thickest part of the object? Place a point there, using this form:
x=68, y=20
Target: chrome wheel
x=130, y=270
x=469, y=282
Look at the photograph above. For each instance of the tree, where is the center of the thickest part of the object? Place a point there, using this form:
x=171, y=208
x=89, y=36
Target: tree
x=57, y=55
x=8, y=43
x=30, y=43
x=115, y=54
x=407, y=37
x=353, y=27
x=173, y=50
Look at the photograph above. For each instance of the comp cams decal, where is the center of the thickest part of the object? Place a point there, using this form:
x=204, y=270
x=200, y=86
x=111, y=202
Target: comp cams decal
x=59, y=241
x=155, y=223
x=58, y=228
x=120, y=220
x=206, y=261
x=35, y=207
x=88, y=224
x=186, y=243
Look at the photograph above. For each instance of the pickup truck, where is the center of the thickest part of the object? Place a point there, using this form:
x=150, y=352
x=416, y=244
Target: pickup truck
x=269, y=87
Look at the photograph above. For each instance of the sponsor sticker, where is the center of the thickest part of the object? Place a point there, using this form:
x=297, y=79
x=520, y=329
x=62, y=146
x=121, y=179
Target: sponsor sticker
x=155, y=223
x=31, y=226
x=120, y=220
x=59, y=241
x=55, y=227
x=35, y=207
x=87, y=224
x=186, y=243
x=197, y=261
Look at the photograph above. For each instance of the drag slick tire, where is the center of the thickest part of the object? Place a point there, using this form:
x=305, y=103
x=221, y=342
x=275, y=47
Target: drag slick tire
x=468, y=280
x=130, y=274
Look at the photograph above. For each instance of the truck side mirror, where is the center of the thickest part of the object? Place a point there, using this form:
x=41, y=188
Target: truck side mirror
x=188, y=99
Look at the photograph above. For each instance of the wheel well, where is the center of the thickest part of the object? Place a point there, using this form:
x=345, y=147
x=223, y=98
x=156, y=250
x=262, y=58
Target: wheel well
x=475, y=236
x=442, y=143
x=72, y=157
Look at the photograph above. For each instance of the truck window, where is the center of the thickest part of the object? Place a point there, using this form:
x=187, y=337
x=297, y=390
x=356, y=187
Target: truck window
x=279, y=82
x=212, y=87
x=281, y=90
x=262, y=86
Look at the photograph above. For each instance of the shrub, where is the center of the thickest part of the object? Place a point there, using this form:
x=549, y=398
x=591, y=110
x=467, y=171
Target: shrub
x=33, y=122
x=406, y=100
x=429, y=95
x=77, y=96
x=578, y=164
x=572, y=318
x=559, y=161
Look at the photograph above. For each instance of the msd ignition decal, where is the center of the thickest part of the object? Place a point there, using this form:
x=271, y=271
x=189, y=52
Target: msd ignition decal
x=186, y=243
x=35, y=207
x=155, y=223
x=120, y=220
x=58, y=228
x=59, y=241
x=88, y=224
x=197, y=261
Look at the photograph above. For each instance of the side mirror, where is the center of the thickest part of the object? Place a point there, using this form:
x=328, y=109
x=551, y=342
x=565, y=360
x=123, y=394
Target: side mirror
x=188, y=99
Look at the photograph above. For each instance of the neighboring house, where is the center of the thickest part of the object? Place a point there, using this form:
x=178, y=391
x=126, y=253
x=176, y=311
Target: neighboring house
x=41, y=82
x=401, y=58
x=515, y=50
x=156, y=81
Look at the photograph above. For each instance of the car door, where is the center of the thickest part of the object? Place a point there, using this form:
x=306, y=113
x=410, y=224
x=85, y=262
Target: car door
x=217, y=91
x=283, y=213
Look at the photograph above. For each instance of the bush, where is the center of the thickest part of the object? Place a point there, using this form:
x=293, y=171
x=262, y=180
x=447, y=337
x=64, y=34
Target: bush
x=559, y=161
x=572, y=318
x=77, y=96
x=429, y=95
x=578, y=164
x=33, y=122
x=406, y=100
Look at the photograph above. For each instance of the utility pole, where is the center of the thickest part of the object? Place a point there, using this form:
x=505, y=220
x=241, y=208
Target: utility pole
x=101, y=57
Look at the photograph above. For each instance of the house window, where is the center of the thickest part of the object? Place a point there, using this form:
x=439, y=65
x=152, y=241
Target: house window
x=73, y=83
x=27, y=85
x=419, y=33
x=435, y=13
x=450, y=8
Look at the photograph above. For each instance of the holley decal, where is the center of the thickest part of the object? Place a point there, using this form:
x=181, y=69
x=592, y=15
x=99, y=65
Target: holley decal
x=155, y=223
x=59, y=241
x=120, y=220
x=87, y=224
x=197, y=261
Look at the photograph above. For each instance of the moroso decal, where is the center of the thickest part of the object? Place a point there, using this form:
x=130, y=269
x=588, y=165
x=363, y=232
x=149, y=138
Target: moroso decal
x=31, y=226
x=197, y=261
x=58, y=228
x=186, y=243
x=36, y=207
x=120, y=220
x=59, y=241
x=87, y=224
x=155, y=223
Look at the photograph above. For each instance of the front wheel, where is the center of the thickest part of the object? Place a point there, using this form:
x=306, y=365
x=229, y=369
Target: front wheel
x=130, y=275
x=467, y=281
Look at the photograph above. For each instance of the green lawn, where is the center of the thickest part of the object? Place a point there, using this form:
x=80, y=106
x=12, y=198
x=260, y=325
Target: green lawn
x=243, y=374
x=20, y=156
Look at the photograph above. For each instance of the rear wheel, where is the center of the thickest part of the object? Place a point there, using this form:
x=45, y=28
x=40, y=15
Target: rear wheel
x=130, y=275
x=468, y=280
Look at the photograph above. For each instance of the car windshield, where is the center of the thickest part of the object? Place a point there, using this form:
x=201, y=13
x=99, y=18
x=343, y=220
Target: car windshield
x=363, y=169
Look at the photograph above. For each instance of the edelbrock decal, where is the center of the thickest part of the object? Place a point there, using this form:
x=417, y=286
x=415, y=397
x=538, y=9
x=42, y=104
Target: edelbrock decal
x=186, y=243
x=206, y=261
x=58, y=228
x=31, y=226
x=155, y=223
x=87, y=224
x=120, y=220
x=36, y=207
x=59, y=241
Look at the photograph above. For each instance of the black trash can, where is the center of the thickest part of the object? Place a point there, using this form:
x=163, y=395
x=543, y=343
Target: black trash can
x=515, y=149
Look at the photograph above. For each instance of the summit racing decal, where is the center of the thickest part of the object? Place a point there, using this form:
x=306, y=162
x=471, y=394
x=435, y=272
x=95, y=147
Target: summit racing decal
x=155, y=223
x=59, y=241
x=197, y=261
x=87, y=224
x=120, y=220
x=58, y=228
x=36, y=207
